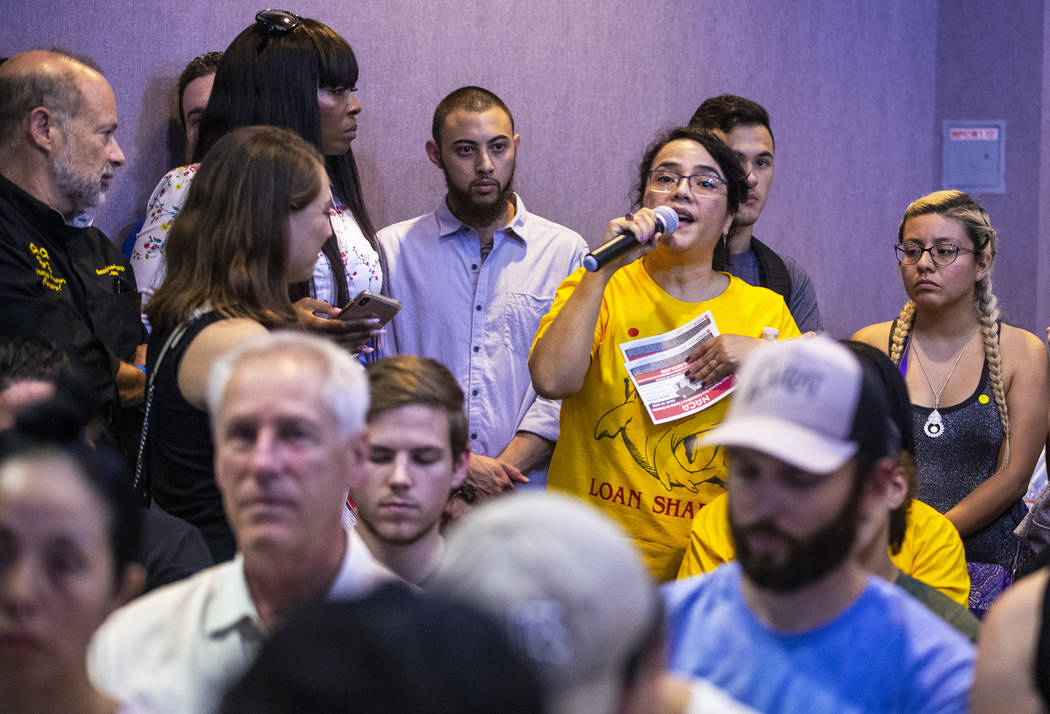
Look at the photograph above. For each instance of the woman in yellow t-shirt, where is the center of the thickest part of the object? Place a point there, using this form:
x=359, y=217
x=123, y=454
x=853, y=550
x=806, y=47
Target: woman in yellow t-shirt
x=653, y=478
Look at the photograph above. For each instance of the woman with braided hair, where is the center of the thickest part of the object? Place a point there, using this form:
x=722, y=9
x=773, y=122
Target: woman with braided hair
x=978, y=386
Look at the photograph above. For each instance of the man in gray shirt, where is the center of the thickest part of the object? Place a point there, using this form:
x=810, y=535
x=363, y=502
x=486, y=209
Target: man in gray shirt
x=744, y=126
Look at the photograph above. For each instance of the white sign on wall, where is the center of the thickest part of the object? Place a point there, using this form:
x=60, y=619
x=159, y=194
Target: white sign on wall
x=974, y=155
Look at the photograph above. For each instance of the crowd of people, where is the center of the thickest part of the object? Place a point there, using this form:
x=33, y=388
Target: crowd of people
x=651, y=484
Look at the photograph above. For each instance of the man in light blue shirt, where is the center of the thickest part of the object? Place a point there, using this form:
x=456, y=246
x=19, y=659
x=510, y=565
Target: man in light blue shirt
x=474, y=278
x=797, y=624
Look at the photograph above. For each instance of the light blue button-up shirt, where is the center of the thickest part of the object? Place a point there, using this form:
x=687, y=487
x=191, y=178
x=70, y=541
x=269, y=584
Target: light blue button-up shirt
x=479, y=319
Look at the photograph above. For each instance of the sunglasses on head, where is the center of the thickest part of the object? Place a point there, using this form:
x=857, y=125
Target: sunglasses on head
x=278, y=20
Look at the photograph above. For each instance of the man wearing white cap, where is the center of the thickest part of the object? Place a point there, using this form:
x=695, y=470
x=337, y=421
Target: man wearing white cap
x=797, y=623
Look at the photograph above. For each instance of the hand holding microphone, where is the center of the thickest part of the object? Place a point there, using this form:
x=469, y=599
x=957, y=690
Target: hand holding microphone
x=666, y=223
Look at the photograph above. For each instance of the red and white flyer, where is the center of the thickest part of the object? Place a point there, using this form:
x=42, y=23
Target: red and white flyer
x=657, y=367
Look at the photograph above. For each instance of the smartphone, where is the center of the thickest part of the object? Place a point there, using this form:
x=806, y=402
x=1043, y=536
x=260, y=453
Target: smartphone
x=368, y=304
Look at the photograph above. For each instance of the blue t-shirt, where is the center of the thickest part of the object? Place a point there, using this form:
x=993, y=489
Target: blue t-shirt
x=885, y=653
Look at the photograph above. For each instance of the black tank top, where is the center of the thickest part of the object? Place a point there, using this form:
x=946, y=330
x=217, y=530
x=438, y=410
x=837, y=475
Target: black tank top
x=963, y=457
x=180, y=447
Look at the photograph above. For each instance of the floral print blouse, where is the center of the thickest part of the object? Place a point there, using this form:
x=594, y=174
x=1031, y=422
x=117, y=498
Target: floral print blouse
x=360, y=259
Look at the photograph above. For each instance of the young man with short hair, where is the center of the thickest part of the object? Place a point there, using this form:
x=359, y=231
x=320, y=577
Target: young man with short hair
x=194, y=90
x=417, y=435
x=475, y=277
x=744, y=126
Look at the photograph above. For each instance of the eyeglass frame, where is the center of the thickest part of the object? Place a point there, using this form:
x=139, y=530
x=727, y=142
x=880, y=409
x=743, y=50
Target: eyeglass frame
x=898, y=248
x=723, y=184
x=278, y=20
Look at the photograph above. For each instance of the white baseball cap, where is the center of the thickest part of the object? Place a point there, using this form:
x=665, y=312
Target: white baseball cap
x=807, y=402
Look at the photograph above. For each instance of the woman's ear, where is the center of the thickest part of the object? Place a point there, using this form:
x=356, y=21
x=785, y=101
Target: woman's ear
x=983, y=264
x=728, y=223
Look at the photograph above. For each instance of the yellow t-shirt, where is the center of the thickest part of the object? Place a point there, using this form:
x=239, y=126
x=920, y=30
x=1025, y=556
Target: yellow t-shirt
x=651, y=478
x=931, y=551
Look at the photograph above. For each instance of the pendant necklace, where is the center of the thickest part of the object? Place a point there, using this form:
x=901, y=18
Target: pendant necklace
x=934, y=425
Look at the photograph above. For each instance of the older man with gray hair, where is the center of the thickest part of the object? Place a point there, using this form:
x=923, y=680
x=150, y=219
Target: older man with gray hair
x=288, y=416
x=60, y=279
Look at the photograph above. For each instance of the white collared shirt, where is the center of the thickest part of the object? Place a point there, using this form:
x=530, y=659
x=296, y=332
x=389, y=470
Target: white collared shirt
x=180, y=647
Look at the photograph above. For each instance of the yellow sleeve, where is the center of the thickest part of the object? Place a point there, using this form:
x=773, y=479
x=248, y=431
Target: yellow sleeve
x=710, y=542
x=564, y=291
x=932, y=552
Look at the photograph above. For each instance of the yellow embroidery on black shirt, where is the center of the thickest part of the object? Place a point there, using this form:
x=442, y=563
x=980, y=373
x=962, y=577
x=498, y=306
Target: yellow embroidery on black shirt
x=110, y=270
x=47, y=277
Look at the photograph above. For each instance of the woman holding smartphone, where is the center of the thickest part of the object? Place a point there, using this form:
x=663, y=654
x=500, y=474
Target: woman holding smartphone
x=253, y=221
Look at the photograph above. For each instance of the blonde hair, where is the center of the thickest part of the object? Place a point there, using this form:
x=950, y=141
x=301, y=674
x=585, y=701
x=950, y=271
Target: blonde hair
x=975, y=222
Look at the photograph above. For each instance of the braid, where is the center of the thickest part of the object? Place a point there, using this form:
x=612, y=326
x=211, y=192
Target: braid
x=974, y=220
x=988, y=312
x=901, y=331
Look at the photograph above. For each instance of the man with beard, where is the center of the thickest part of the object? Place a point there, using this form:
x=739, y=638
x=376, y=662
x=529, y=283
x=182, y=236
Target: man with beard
x=797, y=623
x=417, y=434
x=60, y=279
x=475, y=277
x=744, y=126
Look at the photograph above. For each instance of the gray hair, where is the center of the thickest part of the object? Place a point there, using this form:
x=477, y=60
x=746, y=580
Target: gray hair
x=56, y=89
x=345, y=387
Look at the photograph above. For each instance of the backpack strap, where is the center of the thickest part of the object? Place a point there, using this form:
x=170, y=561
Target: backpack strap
x=772, y=271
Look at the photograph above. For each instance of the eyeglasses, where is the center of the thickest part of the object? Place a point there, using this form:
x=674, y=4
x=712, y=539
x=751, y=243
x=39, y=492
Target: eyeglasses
x=910, y=252
x=663, y=181
x=278, y=20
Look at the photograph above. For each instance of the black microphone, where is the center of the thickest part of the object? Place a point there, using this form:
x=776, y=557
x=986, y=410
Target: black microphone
x=666, y=222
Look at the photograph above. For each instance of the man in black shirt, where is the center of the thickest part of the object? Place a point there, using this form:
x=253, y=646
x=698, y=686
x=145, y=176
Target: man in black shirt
x=60, y=279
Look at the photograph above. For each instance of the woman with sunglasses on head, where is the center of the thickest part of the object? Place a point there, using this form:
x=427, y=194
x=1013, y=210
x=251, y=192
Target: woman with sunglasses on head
x=254, y=219
x=978, y=386
x=652, y=478
x=297, y=73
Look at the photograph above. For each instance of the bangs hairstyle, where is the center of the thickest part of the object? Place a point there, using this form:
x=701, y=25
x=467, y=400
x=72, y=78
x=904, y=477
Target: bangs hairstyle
x=229, y=247
x=728, y=164
x=404, y=380
x=269, y=77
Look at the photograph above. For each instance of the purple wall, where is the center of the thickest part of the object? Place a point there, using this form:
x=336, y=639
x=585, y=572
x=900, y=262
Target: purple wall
x=854, y=89
x=990, y=66
x=1041, y=289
